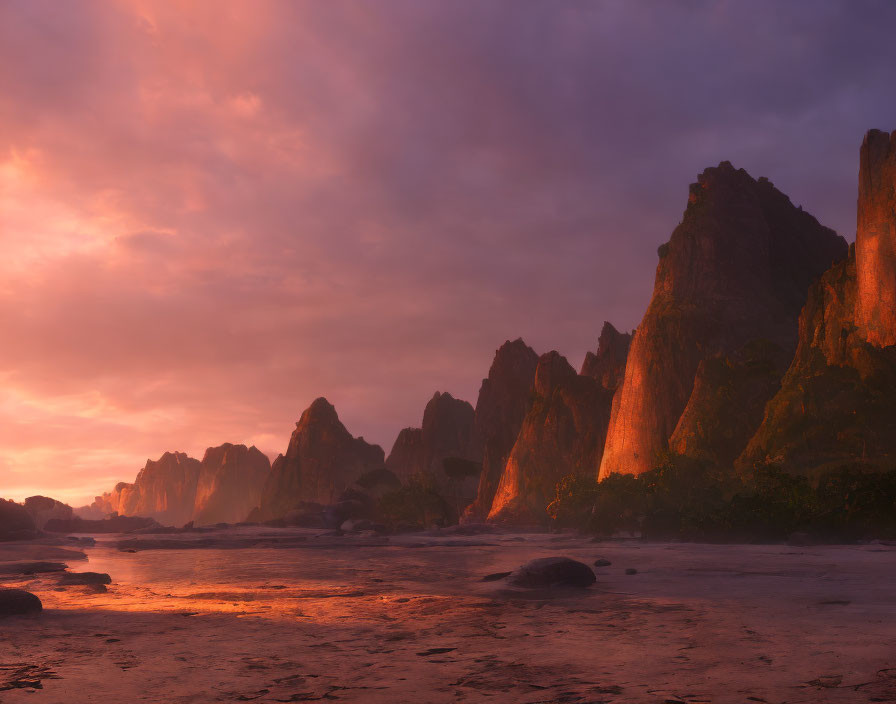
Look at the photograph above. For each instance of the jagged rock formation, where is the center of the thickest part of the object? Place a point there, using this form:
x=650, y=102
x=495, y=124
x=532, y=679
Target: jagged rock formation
x=440, y=452
x=876, y=240
x=504, y=399
x=563, y=433
x=727, y=403
x=607, y=365
x=836, y=403
x=735, y=270
x=321, y=462
x=231, y=478
x=406, y=457
x=164, y=490
x=43, y=509
x=446, y=432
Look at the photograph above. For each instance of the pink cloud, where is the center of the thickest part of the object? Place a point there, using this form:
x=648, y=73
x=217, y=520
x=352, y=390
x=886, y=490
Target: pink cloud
x=212, y=212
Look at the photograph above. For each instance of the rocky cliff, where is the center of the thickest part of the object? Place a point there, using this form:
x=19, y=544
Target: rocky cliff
x=321, y=462
x=836, y=402
x=607, y=365
x=446, y=432
x=876, y=240
x=835, y=405
x=440, y=452
x=735, y=271
x=177, y=488
x=164, y=490
x=43, y=509
x=503, y=401
x=562, y=433
x=407, y=457
x=231, y=478
x=727, y=403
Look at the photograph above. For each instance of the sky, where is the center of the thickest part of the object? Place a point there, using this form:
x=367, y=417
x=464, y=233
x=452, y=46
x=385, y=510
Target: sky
x=212, y=213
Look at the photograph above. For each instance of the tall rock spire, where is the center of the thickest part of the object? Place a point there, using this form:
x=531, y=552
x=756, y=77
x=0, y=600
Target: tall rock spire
x=876, y=239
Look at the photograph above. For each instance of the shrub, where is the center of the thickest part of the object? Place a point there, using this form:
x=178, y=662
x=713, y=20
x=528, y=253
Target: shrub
x=684, y=498
x=416, y=503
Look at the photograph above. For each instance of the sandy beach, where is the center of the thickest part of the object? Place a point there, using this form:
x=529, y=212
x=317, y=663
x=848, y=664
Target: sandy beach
x=310, y=617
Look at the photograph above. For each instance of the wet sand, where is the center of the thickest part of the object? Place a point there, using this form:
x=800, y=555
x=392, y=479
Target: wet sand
x=306, y=617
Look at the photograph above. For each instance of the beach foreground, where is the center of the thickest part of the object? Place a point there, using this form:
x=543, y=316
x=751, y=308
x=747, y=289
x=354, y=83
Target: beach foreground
x=283, y=616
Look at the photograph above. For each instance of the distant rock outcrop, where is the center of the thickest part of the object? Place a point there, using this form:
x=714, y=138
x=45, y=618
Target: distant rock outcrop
x=440, y=453
x=607, y=365
x=321, y=462
x=43, y=509
x=563, y=433
x=735, y=271
x=231, y=478
x=504, y=399
x=112, y=524
x=164, y=490
x=836, y=402
x=16, y=523
x=406, y=457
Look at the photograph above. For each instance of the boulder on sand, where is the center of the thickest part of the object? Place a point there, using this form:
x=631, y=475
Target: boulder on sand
x=84, y=578
x=553, y=572
x=18, y=601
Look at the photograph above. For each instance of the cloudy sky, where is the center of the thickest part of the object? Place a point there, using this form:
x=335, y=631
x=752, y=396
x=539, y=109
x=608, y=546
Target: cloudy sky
x=213, y=212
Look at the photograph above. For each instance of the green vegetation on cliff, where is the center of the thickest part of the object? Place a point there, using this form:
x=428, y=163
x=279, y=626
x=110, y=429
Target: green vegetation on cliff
x=686, y=499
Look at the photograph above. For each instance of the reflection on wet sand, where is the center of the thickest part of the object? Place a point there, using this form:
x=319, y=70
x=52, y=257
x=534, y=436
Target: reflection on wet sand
x=309, y=617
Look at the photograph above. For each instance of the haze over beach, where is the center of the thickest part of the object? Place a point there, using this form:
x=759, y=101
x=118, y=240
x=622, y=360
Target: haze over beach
x=213, y=213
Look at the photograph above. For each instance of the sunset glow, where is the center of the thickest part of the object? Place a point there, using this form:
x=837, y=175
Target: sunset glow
x=213, y=213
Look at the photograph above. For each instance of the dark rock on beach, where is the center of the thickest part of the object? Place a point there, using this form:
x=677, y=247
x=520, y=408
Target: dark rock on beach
x=553, y=572
x=84, y=578
x=494, y=577
x=31, y=567
x=18, y=601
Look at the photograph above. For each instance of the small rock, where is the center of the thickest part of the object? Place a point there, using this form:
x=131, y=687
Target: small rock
x=494, y=577
x=631, y=570
x=827, y=681
x=18, y=601
x=601, y=562
x=84, y=578
x=553, y=571
x=435, y=651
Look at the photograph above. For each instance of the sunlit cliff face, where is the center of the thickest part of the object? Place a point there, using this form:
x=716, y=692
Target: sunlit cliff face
x=212, y=213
